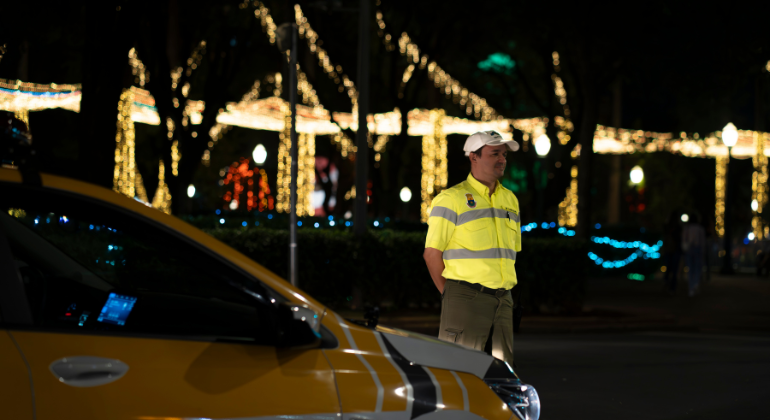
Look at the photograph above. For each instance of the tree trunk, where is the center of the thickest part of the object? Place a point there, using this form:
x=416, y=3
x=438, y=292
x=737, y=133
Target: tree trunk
x=105, y=75
x=588, y=120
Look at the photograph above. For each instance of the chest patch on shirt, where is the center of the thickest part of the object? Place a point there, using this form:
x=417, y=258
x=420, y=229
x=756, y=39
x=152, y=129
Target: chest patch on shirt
x=471, y=202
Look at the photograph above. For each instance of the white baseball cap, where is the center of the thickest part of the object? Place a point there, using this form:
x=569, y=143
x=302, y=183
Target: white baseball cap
x=487, y=138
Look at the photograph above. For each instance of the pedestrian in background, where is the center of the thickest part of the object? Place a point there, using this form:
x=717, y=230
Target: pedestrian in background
x=693, y=245
x=474, y=233
x=672, y=250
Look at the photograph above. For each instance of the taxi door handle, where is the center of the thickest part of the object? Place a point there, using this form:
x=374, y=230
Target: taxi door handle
x=87, y=371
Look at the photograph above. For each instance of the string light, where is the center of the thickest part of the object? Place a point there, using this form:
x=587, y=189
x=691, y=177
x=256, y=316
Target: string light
x=351, y=193
x=176, y=156
x=283, y=179
x=434, y=162
x=759, y=185
x=334, y=72
x=18, y=96
x=379, y=147
x=405, y=79
x=567, y=213
x=473, y=103
x=241, y=177
x=267, y=114
x=265, y=201
x=719, y=208
x=563, y=123
x=387, y=39
x=384, y=123
x=643, y=250
x=305, y=169
x=141, y=75
x=268, y=25
x=124, y=174
x=345, y=145
x=23, y=115
x=162, y=198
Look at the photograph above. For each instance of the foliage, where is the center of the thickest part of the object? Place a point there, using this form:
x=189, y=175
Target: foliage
x=386, y=268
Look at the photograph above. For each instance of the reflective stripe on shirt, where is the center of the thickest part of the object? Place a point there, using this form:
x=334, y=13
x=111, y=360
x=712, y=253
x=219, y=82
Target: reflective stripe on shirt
x=472, y=215
x=462, y=254
x=445, y=213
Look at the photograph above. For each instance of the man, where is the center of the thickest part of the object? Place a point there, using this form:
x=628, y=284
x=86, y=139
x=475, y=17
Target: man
x=693, y=245
x=474, y=233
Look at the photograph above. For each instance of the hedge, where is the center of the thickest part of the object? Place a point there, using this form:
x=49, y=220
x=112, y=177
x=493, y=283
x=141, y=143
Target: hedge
x=386, y=267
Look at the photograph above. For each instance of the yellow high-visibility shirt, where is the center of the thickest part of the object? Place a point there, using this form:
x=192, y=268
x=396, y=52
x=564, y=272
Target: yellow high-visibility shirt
x=479, y=234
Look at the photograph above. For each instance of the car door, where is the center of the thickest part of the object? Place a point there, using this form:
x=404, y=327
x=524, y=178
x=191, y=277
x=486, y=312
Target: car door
x=15, y=386
x=130, y=320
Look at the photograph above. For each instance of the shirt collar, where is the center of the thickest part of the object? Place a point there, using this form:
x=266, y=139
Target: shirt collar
x=481, y=188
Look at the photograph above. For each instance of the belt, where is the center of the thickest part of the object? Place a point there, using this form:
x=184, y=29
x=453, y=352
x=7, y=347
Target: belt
x=482, y=289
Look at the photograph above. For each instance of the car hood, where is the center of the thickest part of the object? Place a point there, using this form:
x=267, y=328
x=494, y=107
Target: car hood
x=429, y=351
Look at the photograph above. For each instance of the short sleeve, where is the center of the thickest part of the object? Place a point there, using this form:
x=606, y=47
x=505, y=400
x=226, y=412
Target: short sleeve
x=518, y=225
x=441, y=222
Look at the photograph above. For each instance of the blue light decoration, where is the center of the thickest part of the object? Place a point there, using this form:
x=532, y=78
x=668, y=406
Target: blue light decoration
x=269, y=216
x=316, y=225
x=643, y=250
x=376, y=223
x=299, y=223
x=347, y=223
x=218, y=211
x=256, y=223
x=221, y=221
x=331, y=218
x=331, y=223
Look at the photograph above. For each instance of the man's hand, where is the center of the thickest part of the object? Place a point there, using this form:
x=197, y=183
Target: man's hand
x=434, y=259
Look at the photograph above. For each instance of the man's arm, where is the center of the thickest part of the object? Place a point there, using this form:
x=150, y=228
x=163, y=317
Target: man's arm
x=434, y=259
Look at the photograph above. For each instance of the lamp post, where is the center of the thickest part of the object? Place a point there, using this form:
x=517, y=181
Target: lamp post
x=362, y=135
x=729, y=138
x=287, y=41
x=542, y=147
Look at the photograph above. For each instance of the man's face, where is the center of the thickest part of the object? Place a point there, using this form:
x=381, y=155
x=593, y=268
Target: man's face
x=491, y=163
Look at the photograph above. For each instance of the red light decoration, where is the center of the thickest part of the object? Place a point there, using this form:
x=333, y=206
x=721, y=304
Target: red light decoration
x=241, y=176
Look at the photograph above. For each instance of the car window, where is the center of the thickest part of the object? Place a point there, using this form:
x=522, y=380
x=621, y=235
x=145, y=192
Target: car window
x=91, y=267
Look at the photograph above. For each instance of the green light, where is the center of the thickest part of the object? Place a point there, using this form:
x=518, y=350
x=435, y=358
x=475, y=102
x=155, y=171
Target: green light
x=636, y=276
x=499, y=63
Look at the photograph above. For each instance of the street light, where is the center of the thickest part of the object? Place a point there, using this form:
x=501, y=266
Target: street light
x=542, y=145
x=405, y=194
x=729, y=135
x=729, y=138
x=637, y=174
x=259, y=154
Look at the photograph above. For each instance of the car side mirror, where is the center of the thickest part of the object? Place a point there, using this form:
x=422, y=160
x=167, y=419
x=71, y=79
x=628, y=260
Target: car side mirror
x=298, y=326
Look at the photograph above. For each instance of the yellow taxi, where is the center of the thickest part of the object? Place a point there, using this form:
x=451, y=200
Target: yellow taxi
x=113, y=310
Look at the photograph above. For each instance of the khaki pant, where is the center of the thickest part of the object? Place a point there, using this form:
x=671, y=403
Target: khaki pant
x=467, y=315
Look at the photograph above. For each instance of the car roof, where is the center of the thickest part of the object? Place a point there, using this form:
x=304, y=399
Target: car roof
x=92, y=191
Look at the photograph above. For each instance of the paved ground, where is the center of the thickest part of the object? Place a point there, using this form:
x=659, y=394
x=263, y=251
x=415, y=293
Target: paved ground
x=639, y=353
x=726, y=304
x=647, y=375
